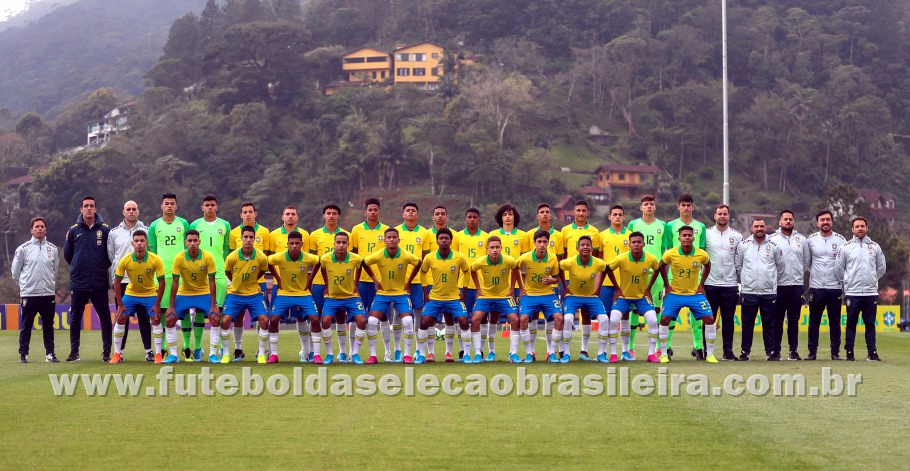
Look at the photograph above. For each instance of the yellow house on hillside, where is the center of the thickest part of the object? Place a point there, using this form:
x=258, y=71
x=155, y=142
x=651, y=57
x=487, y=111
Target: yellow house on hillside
x=626, y=182
x=419, y=64
x=366, y=65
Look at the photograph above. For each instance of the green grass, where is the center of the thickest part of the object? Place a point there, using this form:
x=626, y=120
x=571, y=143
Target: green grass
x=441, y=432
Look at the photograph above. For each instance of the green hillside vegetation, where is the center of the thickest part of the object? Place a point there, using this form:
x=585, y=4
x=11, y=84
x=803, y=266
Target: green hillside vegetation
x=818, y=97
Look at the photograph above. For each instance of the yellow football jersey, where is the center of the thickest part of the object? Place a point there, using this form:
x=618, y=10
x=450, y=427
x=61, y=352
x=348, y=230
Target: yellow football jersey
x=556, y=246
x=194, y=272
x=280, y=239
x=444, y=274
x=293, y=273
x=341, y=274
x=322, y=242
x=245, y=272
x=425, y=277
x=535, y=270
x=392, y=270
x=495, y=277
x=366, y=240
x=144, y=274
x=614, y=243
x=571, y=233
x=471, y=246
x=635, y=274
x=686, y=269
x=416, y=241
x=514, y=243
x=263, y=241
x=582, y=276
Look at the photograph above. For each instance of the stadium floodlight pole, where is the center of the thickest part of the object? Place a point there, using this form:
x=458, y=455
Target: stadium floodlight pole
x=723, y=20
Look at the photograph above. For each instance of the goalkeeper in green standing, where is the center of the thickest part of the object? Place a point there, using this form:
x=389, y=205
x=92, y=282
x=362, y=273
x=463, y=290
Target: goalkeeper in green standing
x=166, y=236
x=653, y=229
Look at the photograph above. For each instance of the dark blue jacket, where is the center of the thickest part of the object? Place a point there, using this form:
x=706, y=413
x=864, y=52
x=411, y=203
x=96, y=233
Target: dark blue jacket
x=85, y=250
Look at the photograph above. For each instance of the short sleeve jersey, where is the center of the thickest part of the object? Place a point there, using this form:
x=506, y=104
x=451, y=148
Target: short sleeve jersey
x=366, y=240
x=144, y=274
x=582, y=276
x=571, y=233
x=495, y=277
x=263, y=241
x=193, y=272
x=416, y=241
x=214, y=238
x=280, y=239
x=535, y=270
x=471, y=246
x=293, y=273
x=341, y=274
x=686, y=269
x=245, y=272
x=322, y=242
x=166, y=240
x=614, y=243
x=635, y=274
x=444, y=274
x=672, y=234
x=555, y=246
x=392, y=270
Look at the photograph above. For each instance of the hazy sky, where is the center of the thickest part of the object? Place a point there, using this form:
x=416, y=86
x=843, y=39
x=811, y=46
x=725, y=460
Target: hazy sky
x=10, y=7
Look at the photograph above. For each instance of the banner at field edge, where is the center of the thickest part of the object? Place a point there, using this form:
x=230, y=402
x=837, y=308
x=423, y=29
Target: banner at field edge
x=887, y=319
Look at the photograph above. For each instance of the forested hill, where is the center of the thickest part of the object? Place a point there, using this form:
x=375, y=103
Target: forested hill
x=78, y=48
x=819, y=95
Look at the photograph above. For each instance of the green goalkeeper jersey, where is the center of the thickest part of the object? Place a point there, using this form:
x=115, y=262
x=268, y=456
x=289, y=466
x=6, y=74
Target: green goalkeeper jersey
x=214, y=238
x=166, y=240
x=654, y=235
x=672, y=234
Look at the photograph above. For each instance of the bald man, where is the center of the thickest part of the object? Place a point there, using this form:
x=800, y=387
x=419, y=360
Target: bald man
x=119, y=244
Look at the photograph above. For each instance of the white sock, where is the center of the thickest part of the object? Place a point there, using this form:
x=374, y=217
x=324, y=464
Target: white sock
x=431, y=333
x=408, y=327
x=466, y=336
x=263, y=341
x=397, y=328
x=342, y=331
x=422, y=336
x=651, y=319
x=585, y=337
x=303, y=330
x=603, y=333
x=214, y=340
x=273, y=343
x=327, y=340
x=567, y=332
x=555, y=342
x=532, y=329
x=118, y=338
x=460, y=334
x=316, y=339
x=226, y=341
x=157, y=337
x=710, y=337
x=492, y=333
x=477, y=339
x=450, y=338
x=359, y=336
x=484, y=332
x=625, y=332
x=238, y=336
x=615, y=319
x=372, y=328
x=526, y=340
x=663, y=333
x=386, y=331
x=171, y=337
x=549, y=332
x=514, y=340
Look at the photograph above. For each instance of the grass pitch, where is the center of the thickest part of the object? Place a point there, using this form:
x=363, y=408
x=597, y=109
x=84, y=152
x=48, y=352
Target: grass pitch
x=43, y=431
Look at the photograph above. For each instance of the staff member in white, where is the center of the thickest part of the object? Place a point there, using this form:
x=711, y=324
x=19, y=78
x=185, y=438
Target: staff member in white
x=35, y=271
x=721, y=287
x=119, y=245
x=790, y=283
x=825, y=289
x=860, y=264
x=758, y=263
